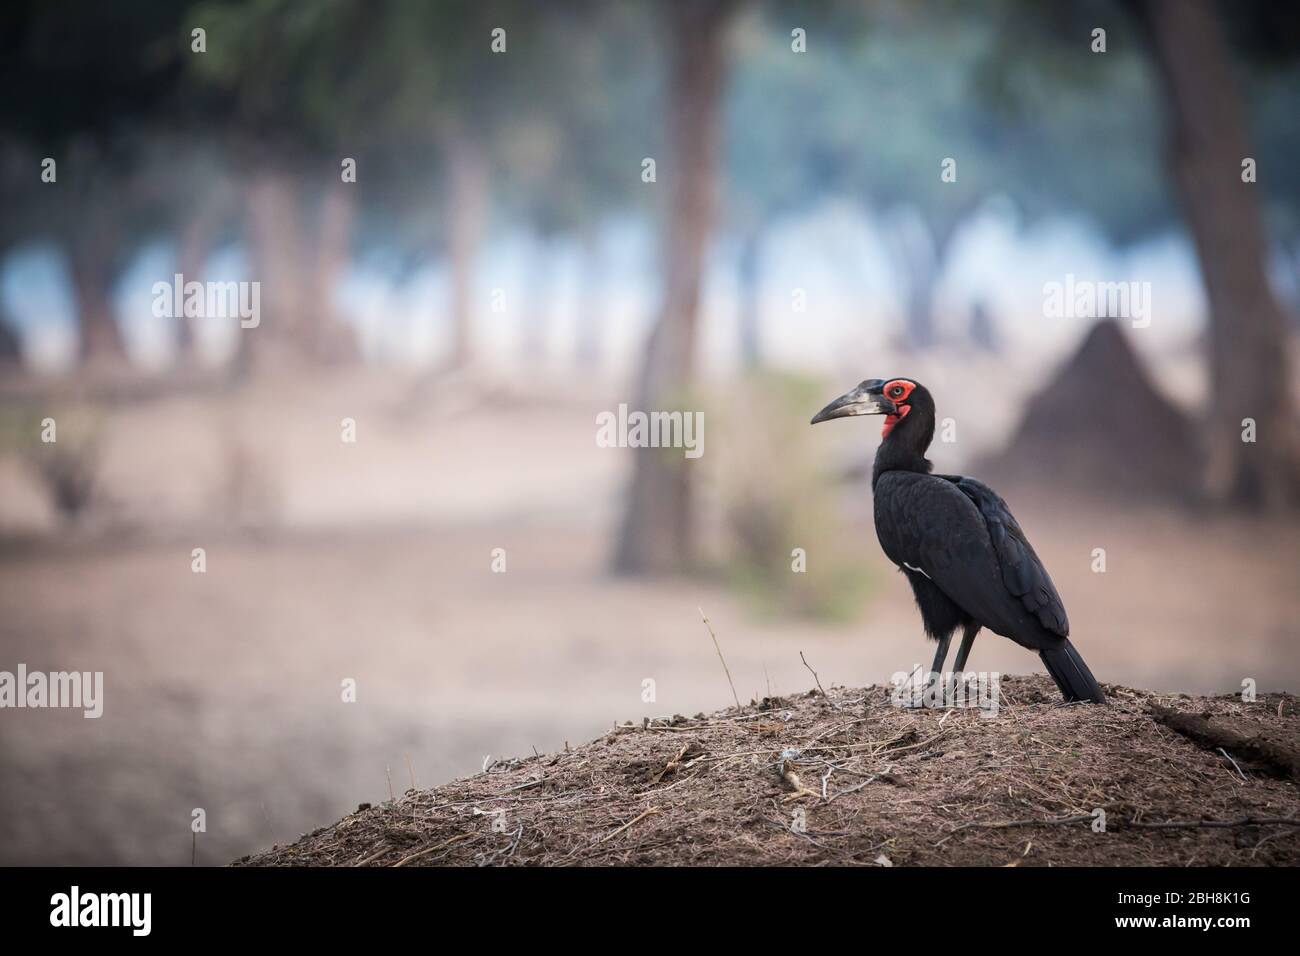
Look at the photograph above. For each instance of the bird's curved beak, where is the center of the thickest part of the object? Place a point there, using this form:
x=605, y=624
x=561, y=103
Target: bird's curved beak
x=866, y=399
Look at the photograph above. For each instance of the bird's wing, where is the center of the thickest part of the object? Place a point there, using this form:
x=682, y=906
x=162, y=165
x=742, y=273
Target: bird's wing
x=1023, y=573
x=934, y=524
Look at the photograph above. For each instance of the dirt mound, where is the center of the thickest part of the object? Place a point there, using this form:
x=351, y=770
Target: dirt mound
x=1101, y=427
x=853, y=779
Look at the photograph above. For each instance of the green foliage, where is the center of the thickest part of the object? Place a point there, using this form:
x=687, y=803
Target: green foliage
x=869, y=111
x=81, y=81
x=1084, y=129
x=885, y=91
x=1274, y=101
x=1009, y=90
x=71, y=70
x=572, y=150
x=339, y=71
x=777, y=496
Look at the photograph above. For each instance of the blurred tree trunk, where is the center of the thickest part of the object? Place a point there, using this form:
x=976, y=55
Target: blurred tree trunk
x=1291, y=252
x=982, y=330
x=11, y=350
x=747, y=278
x=590, y=345
x=658, y=529
x=918, y=315
x=1249, y=376
x=91, y=254
x=467, y=194
x=299, y=272
x=923, y=248
x=333, y=339
x=192, y=251
x=275, y=239
x=537, y=306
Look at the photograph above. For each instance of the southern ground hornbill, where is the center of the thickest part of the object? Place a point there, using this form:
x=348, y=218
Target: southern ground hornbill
x=969, y=564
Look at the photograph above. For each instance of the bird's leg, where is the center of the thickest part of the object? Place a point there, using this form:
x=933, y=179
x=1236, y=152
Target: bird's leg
x=936, y=669
x=967, y=639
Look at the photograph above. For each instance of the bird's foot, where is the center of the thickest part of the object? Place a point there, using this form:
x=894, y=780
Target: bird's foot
x=945, y=690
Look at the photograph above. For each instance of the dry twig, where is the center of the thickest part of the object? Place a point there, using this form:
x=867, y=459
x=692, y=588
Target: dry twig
x=734, y=695
x=636, y=819
x=825, y=696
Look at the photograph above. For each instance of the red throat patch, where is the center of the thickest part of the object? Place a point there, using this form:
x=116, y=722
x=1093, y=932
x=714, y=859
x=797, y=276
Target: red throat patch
x=892, y=420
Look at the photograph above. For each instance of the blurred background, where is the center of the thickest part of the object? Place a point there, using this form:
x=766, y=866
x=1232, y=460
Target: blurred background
x=474, y=227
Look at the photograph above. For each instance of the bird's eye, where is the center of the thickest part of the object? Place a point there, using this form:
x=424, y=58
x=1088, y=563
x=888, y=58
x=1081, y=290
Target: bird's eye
x=896, y=391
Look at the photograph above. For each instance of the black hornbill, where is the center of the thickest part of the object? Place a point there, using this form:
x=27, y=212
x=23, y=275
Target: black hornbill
x=969, y=564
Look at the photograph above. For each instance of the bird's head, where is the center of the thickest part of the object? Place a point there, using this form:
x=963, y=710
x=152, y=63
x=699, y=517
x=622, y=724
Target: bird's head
x=895, y=398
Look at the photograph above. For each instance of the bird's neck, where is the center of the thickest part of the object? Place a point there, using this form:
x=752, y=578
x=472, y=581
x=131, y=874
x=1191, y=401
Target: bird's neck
x=903, y=447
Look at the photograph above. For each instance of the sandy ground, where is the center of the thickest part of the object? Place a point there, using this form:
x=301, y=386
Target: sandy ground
x=223, y=689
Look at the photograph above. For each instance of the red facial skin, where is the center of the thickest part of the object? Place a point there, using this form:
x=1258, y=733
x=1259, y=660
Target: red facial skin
x=900, y=403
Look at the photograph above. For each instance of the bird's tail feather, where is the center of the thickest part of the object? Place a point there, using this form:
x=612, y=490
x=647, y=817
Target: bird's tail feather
x=1071, y=674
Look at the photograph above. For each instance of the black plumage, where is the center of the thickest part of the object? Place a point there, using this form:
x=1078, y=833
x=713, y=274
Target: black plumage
x=968, y=562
